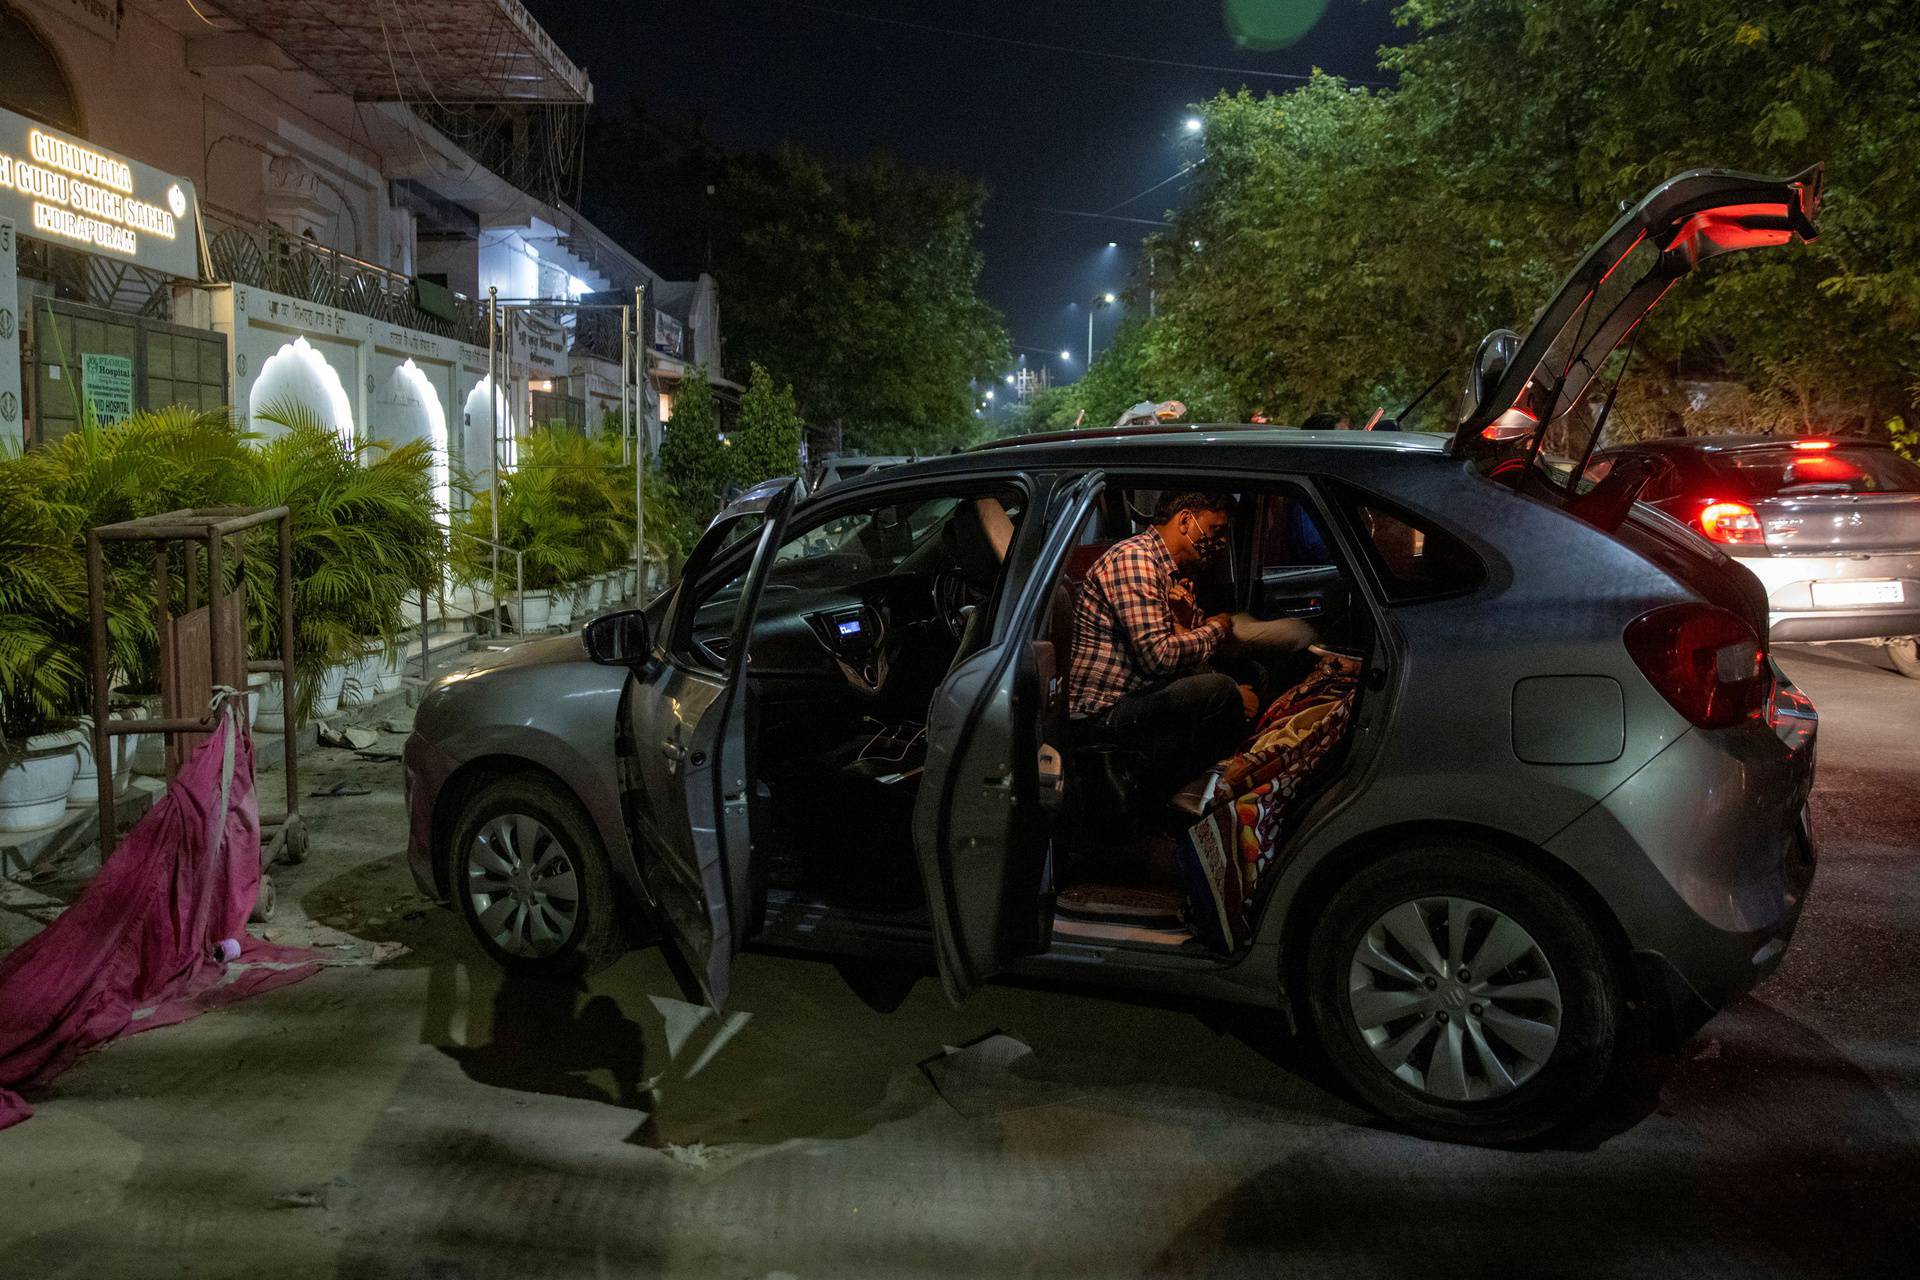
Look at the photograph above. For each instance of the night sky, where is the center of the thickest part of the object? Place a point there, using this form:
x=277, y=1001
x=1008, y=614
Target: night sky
x=1041, y=127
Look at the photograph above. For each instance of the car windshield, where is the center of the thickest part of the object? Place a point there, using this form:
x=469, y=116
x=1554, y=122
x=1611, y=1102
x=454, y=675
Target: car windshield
x=1816, y=466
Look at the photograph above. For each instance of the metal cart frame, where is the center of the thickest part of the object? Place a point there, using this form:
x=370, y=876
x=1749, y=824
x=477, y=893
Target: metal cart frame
x=211, y=527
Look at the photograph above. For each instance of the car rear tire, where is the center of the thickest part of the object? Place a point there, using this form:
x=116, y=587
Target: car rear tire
x=533, y=881
x=1905, y=655
x=1501, y=1056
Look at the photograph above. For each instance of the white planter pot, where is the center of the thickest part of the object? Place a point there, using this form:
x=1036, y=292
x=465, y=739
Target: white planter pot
x=265, y=706
x=33, y=788
x=562, y=615
x=631, y=579
x=387, y=671
x=594, y=595
x=539, y=611
x=257, y=683
x=362, y=681
x=149, y=750
x=332, y=685
x=86, y=779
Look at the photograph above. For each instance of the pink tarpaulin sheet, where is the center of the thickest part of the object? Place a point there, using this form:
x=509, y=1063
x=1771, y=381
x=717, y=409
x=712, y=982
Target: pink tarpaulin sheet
x=137, y=949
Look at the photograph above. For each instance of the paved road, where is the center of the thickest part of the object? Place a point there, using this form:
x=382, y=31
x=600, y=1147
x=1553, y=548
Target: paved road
x=436, y=1123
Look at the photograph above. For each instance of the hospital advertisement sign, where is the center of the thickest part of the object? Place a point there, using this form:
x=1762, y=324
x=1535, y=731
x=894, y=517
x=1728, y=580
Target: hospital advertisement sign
x=57, y=188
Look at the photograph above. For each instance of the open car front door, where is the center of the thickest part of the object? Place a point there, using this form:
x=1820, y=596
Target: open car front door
x=1534, y=424
x=982, y=824
x=684, y=749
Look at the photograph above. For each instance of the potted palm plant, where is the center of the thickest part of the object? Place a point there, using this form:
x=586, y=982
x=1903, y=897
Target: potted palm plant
x=42, y=585
x=364, y=535
x=536, y=520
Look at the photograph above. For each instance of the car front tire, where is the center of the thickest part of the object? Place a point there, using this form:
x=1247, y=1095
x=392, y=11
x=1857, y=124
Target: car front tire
x=533, y=881
x=1500, y=1055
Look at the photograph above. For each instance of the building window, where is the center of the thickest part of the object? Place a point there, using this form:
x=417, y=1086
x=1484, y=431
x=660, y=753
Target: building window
x=31, y=79
x=666, y=406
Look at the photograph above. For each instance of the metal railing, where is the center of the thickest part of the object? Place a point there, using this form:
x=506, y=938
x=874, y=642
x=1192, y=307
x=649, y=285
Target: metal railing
x=494, y=581
x=243, y=251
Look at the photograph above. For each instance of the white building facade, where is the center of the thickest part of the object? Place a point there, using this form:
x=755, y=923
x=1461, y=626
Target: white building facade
x=265, y=202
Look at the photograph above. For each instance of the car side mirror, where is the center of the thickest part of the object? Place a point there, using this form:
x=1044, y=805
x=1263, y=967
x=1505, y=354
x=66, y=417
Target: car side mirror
x=1491, y=362
x=618, y=639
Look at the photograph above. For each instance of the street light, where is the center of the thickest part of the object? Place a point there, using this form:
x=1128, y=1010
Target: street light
x=1009, y=379
x=1066, y=357
x=1113, y=244
x=989, y=395
x=1193, y=124
x=1104, y=300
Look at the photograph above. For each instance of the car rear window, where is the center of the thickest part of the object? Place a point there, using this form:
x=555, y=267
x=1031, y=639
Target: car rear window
x=1782, y=472
x=1414, y=558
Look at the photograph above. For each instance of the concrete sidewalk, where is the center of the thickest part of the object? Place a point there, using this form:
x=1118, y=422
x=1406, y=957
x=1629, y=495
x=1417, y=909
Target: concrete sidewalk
x=408, y=1113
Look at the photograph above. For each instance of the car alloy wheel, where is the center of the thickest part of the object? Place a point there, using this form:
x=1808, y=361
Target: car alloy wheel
x=523, y=886
x=1454, y=998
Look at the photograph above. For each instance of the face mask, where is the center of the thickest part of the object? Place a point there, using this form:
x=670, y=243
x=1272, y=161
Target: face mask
x=1208, y=545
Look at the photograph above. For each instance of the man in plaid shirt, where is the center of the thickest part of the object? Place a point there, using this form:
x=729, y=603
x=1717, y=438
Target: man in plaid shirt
x=1141, y=648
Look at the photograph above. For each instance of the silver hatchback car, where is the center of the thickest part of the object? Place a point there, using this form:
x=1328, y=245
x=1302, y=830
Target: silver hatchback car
x=1557, y=782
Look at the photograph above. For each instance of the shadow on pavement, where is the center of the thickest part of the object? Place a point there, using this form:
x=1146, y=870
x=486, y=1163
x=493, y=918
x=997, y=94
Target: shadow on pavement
x=1770, y=1152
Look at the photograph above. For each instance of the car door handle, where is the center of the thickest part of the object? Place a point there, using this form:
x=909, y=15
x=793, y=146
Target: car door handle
x=673, y=750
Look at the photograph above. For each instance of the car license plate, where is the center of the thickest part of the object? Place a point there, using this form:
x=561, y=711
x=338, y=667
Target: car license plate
x=1833, y=595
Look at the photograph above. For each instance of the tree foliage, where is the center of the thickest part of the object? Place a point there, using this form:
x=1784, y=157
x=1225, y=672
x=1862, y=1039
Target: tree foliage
x=1344, y=246
x=691, y=455
x=855, y=281
x=766, y=443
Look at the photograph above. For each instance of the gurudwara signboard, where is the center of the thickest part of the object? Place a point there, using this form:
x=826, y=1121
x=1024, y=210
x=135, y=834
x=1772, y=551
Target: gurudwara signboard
x=58, y=188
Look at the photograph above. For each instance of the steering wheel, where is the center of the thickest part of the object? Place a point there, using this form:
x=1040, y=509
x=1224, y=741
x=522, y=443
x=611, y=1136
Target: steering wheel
x=952, y=597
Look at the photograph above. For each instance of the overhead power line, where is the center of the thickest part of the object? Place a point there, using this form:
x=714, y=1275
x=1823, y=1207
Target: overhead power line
x=1185, y=169
x=1048, y=47
x=1104, y=217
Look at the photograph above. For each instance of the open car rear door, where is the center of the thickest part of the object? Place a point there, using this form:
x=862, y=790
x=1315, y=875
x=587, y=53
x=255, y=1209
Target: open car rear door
x=981, y=828
x=1536, y=424
x=685, y=755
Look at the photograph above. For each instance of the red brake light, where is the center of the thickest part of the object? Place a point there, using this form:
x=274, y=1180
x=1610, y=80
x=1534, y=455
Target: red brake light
x=1731, y=522
x=1703, y=660
x=1812, y=446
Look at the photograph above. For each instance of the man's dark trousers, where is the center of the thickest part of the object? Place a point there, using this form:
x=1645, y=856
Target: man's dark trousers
x=1179, y=729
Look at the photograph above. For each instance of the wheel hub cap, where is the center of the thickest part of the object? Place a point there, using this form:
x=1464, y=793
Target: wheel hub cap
x=1454, y=998
x=523, y=886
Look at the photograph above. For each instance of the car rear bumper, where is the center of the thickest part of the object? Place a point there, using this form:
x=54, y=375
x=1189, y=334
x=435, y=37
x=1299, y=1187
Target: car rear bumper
x=1789, y=583
x=426, y=769
x=1843, y=624
x=1706, y=856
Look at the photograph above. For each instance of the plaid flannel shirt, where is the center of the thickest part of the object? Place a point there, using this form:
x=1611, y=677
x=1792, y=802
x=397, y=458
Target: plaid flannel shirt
x=1124, y=635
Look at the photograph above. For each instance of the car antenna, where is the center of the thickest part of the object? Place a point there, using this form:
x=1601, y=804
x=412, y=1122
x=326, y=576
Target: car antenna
x=1401, y=417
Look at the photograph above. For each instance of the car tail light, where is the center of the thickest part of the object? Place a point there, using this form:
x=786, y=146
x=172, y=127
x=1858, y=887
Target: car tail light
x=1703, y=660
x=1731, y=522
x=1812, y=446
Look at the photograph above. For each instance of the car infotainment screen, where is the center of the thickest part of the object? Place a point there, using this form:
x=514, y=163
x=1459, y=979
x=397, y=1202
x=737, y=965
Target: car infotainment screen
x=849, y=628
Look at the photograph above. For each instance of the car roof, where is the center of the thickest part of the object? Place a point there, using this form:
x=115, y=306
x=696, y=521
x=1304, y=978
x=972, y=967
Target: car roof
x=1248, y=432
x=1167, y=445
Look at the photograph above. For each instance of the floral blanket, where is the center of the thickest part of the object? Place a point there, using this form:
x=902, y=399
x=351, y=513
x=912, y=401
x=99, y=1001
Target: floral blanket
x=1252, y=796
